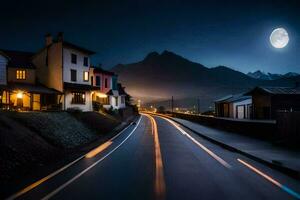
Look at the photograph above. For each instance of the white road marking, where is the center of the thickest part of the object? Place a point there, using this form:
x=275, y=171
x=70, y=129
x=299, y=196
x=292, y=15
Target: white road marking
x=90, y=167
x=39, y=182
x=216, y=157
x=270, y=179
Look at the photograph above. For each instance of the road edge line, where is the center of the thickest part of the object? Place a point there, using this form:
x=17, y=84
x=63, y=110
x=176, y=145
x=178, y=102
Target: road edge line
x=56, y=172
x=54, y=192
x=285, y=170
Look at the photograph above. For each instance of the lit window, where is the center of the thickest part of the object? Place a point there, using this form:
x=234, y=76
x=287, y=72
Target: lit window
x=86, y=76
x=78, y=98
x=21, y=74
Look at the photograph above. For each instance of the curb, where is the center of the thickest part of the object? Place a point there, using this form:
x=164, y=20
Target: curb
x=285, y=170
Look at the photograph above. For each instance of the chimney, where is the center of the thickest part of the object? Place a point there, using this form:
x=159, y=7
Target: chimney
x=60, y=37
x=48, y=38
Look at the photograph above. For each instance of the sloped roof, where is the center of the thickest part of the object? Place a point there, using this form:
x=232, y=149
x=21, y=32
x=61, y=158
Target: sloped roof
x=119, y=92
x=121, y=89
x=277, y=90
x=74, y=46
x=19, y=59
x=233, y=98
x=102, y=71
x=40, y=89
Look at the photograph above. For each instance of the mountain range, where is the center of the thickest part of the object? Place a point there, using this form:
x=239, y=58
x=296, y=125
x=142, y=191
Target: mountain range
x=158, y=77
x=269, y=76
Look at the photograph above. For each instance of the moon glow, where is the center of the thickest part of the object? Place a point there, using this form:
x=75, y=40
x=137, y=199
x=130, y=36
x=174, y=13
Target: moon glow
x=279, y=38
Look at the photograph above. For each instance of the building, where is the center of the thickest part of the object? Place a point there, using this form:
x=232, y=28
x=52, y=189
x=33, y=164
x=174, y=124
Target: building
x=234, y=106
x=106, y=89
x=19, y=87
x=58, y=76
x=267, y=101
x=65, y=67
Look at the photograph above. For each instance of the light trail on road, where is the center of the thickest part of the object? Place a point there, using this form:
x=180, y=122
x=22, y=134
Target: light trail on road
x=270, y=179
x=212, y=154
x=160, y=185
x=90, y=167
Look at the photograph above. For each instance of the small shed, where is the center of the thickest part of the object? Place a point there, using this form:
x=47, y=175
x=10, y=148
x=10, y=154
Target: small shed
x=267, y=101
x=236, y=106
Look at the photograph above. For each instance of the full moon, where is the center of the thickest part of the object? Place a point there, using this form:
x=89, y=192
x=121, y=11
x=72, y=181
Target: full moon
x=279, y=38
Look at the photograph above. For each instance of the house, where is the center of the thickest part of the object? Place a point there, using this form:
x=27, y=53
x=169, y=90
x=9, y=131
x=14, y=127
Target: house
x=234, y=106
x=65, y=67
x=117, y=98
x=106, y=89
x=20, y=89
x=267, y=101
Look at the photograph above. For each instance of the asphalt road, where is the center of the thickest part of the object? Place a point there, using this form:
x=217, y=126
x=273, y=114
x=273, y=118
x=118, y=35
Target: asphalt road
x=158, y=159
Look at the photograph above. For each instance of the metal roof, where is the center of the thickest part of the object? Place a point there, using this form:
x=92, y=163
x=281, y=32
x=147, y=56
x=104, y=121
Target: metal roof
x=277, y=90
x=233, y=98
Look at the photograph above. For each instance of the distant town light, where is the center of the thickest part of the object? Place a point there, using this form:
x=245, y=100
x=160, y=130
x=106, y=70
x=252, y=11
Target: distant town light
x=20, y=95
x=83, y=96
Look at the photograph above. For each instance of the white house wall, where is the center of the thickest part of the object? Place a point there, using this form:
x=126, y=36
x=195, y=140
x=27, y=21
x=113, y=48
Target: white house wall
x=88, y=106
x=79, y=67
x=241, y=103
x=112, y=102
x=3, y=70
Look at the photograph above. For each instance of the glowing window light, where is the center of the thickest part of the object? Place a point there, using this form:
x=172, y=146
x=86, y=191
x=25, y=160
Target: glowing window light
x=101, y=95
x=20, y=95
x=86, y=76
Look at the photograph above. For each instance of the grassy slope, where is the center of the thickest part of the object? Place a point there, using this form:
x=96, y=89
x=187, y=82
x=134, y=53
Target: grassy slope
x=32, y=140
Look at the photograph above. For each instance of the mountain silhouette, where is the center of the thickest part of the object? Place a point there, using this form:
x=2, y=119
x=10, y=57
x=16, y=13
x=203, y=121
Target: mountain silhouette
x=158, y=77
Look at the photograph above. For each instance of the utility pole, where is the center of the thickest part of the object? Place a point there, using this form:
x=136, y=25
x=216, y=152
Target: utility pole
x=198, y=105
x=172, y=104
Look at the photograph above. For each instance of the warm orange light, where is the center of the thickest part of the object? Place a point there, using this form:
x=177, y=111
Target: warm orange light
x=98, y=149
x=86, y=76
x=101, y=95
x=160, y=186
x=20, y=95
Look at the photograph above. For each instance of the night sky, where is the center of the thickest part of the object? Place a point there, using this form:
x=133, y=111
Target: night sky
x=231, y=33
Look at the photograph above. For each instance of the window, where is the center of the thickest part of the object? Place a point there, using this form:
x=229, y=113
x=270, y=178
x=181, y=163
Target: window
x=117, y=101
x=86, y=76
x=86, y=61
x=105, y=83
x=98, y=81
x=122, y=99
x=73, y=58
x=92, y=81
x=114, y=83
x=73, y=75
x=21, y=74
x=78, y=98
x=240, y=112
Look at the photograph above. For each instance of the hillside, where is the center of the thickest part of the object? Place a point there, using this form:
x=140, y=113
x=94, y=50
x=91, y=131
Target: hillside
x=33, y=144
x=160, y=76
